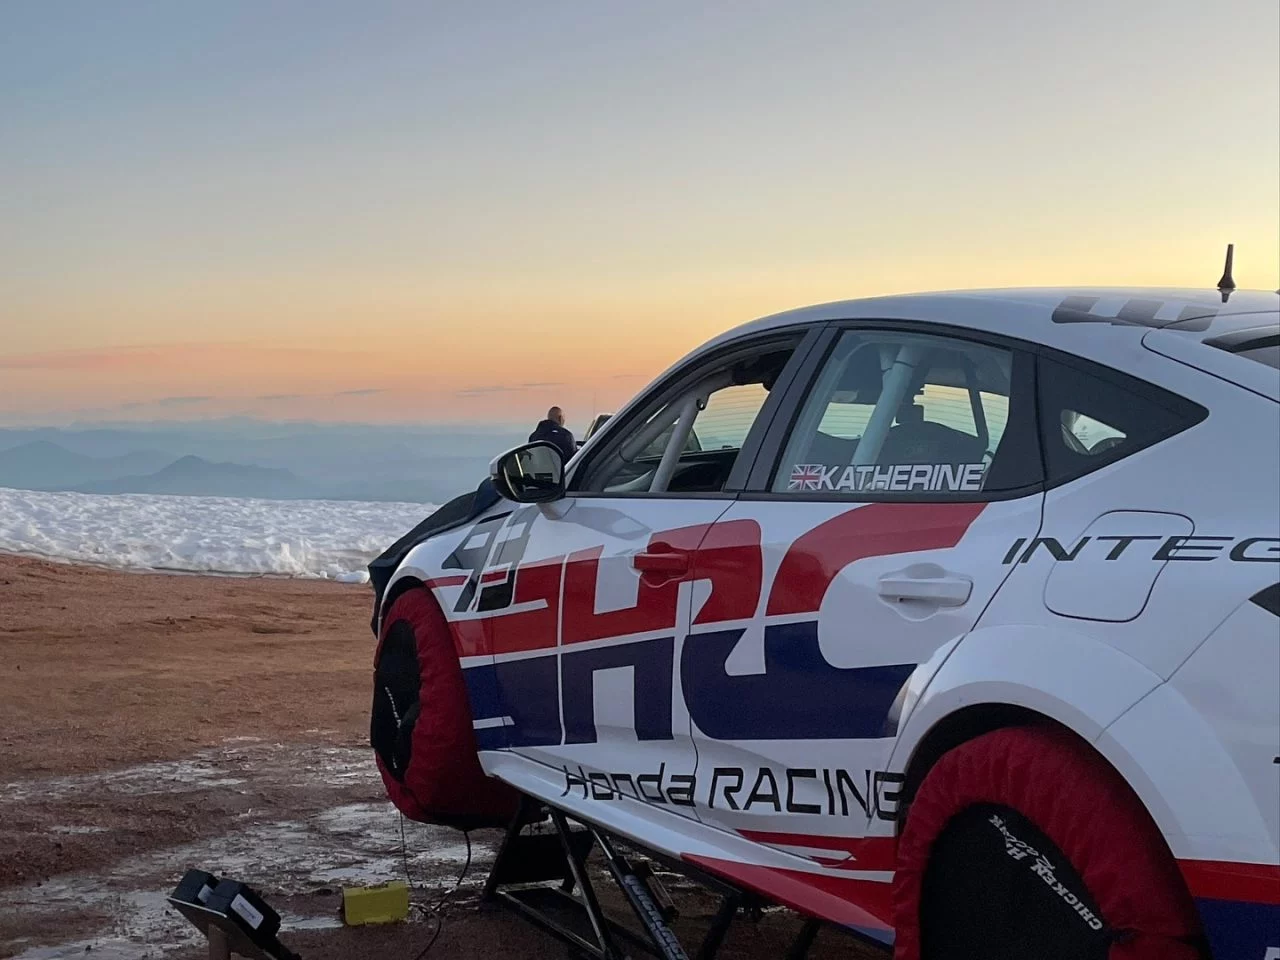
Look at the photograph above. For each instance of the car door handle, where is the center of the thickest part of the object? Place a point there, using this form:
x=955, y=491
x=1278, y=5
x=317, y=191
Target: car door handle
x=671, y=564
x=948, y=591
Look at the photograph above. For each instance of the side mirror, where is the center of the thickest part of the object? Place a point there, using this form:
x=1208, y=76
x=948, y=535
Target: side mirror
x=531, y=473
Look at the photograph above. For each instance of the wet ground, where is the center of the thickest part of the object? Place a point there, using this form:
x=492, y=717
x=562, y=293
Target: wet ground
x=151, y=724
x=300, y=821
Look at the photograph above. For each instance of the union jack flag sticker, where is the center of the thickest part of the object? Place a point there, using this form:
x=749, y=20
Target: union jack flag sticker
x=806, y=476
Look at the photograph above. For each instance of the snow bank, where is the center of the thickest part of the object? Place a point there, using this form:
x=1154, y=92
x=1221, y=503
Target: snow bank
x=299, y=538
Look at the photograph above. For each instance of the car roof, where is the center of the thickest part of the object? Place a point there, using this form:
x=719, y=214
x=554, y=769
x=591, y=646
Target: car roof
x=1088, y=320
x=1104, y=324
x=1040, y=304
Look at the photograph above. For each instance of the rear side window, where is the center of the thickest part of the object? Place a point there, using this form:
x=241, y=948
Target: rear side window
x=1090, y=417
x=913, y=416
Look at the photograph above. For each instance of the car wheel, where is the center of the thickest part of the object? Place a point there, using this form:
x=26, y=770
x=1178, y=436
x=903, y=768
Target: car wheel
x=420, y=726
x=1023, y=843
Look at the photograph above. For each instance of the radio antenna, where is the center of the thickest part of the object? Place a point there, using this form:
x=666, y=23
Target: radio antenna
x=1227, y=285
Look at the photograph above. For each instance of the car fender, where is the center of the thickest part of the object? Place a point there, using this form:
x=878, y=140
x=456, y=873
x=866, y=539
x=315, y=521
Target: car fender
x=1197, y=793
x=1062, y=674
x=424, y=563
x=1143, y=727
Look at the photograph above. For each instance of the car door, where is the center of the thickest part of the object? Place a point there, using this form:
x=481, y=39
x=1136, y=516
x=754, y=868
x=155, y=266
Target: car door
x=880, y=510
x=601, y=707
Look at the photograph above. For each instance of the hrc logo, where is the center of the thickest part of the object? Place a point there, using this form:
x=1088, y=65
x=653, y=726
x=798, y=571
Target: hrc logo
x=545, y=697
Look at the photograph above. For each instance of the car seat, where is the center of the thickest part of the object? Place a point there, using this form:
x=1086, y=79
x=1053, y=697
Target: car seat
x=916, y=440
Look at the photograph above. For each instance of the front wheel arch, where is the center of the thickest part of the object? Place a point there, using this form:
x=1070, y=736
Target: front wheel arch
x=397, y=587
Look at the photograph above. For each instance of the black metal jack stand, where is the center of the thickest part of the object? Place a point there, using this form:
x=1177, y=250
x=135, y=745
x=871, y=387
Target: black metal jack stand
x=544, y=878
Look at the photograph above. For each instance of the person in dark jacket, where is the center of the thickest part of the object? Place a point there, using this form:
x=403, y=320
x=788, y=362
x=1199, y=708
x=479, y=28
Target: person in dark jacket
x=553, y=430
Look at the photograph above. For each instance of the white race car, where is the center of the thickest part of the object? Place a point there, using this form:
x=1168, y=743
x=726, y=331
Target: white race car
x=952, y=620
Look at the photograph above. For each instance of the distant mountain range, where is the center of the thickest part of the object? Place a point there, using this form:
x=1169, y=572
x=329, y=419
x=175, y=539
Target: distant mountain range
x=195, y=476
x=43, y=465
x=340, y=463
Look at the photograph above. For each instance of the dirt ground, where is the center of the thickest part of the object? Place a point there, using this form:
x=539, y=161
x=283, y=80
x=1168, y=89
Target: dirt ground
x=152, y=723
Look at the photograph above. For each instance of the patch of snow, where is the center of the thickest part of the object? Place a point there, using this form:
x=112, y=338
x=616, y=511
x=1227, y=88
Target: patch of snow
x=291, y=921
x=333, y=539
x=224, y=767
x=114, y=948
x=177, y=776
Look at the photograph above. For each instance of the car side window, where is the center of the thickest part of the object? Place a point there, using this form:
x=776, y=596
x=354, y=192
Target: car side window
x=688, y=437
x=1092, y=416
x=727, y=418
x=908, y=416
x=1089, y=436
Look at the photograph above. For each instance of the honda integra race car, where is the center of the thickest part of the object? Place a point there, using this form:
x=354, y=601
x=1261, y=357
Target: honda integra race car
x=951, y=620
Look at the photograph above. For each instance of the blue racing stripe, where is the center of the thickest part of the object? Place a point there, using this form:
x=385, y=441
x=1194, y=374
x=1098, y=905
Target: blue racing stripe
x=800, y=695
x=1238, y=930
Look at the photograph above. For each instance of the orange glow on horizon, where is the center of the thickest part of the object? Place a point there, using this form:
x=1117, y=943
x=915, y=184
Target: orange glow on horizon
x=473, y=360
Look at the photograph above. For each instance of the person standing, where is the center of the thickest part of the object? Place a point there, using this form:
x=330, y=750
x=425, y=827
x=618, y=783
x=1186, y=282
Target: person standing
x=553, y=430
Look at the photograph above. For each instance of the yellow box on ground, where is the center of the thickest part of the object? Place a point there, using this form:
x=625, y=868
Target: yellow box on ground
x=387, y=903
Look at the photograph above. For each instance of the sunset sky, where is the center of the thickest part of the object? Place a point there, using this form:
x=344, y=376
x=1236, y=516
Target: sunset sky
x=467, y=211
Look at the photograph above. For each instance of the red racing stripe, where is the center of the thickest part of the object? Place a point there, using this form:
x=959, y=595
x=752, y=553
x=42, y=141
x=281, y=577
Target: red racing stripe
x=875, y=530
x=869, y=853
x=864, y=904
x=1224, y=880
x=434, y=583
x=506, y=632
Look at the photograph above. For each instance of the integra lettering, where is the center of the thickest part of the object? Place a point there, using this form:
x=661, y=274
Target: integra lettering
x=1243, y=550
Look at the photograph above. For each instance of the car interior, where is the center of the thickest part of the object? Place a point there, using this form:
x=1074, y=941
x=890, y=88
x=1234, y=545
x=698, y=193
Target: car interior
x=891, y=384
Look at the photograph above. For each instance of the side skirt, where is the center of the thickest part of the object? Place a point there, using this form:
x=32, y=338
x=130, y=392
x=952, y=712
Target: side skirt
x=541, y=874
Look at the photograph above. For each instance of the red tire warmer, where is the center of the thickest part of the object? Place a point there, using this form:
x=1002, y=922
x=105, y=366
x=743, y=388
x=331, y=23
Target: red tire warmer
x=421, y=723
x=1078, y=802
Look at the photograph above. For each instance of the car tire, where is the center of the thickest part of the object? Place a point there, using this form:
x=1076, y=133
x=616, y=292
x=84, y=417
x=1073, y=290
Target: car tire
x=420, y=725
x=1024, y=842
